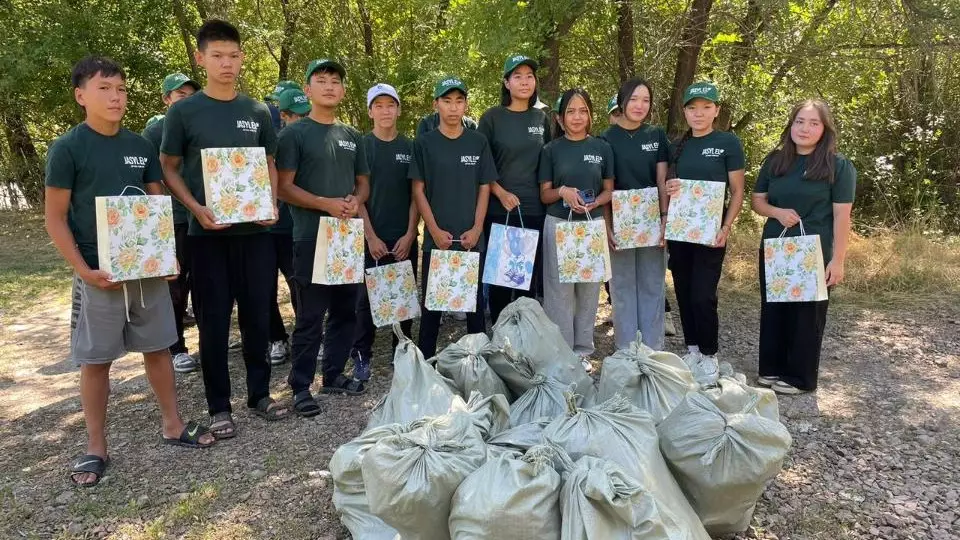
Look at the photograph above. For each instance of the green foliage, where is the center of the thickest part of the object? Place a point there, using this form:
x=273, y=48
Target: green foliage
x=890, y=69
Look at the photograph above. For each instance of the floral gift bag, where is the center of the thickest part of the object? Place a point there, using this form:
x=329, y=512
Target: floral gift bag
x=393, y=293
x=793, y=268
x=636, y=218
x=452, y=281
x=135, y=237
x=583, y=255
x=236, y=183
x=694, y=215
x=338, y=259
x=511, y=253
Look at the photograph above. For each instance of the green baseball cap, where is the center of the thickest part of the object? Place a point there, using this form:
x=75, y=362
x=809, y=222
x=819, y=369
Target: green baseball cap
x=703, y=89
x=321, y=63
x=517, y=60
x=293, y=100
x=280, y=87
x=612, y=105
x=176, y=80
x=447, y=85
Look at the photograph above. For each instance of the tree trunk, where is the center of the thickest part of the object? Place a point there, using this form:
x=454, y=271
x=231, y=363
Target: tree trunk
x=625, y=47
x=744, y=51
x=186, y=32
x=201, y=9
x=289, y=31
x=26, y=163
x=692, y=38
x=367, y=25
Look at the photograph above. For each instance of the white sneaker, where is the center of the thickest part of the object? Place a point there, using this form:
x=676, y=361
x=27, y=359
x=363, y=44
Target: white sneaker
x=587, y=366
x=668, y=328
x=781, y=387
x=767, y=381
x=184, y=363
x=691, y=359
x=279, y=352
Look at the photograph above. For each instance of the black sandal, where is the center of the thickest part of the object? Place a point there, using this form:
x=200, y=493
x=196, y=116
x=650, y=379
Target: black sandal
x=228, y=429
x=89, y=464
x=343, y=385
x=271, y=414
x=306, y=405
x=190, y=437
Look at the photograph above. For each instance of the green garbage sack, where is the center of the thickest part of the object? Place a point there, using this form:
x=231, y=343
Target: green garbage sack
x=417, y=389
x=513, y=497
x=465, y=363
x=411, y=477
x=349, y=491
x=601, y=501
x=544, y=400
x=653, y=381
x=619, y=432
x=524, y=330
x=723, y=445
x=522, y=437
x=490, y=414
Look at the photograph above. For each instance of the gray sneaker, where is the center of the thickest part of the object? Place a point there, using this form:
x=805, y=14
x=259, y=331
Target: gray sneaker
x=279, y=352
x=184, y=363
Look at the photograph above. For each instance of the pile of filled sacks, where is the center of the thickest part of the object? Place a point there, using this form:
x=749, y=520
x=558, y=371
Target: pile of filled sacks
x=508, y=438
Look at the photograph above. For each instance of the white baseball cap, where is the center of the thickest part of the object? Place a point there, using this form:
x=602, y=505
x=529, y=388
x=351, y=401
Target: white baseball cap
x=381, y=89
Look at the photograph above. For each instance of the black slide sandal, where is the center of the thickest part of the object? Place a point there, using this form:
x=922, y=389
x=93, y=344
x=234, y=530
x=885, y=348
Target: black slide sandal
x=306, y=405
x=190, y=437
x=227, y=429
x=343, y=385
x=89, y=464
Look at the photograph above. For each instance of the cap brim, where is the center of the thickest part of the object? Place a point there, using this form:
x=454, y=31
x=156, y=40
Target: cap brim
x=196, y=87
x=691, y=98
x=451, y=89
x=528, y=62
x=300, y=108
x=331, y=64
x=374, y=98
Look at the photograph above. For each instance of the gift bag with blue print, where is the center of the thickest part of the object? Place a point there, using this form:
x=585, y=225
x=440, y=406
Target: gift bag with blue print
x=511, y=253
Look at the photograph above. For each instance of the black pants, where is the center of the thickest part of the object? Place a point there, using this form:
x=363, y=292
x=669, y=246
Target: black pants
x=283, y=248
x=430, y=320
x=313, y=303
x=696, y=272
x=499, y=297
x=791, y=335
x=366, y=331
x=180, y=287
x=227, y=269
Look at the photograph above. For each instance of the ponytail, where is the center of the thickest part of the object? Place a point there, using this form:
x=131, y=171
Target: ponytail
x=678, y=149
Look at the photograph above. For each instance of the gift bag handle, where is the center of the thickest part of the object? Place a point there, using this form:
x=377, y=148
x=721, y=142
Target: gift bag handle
x=134, y=187
x=377, y=261
x=461, y=243
x=506, y=221
x=570, y=216
x=802, y=232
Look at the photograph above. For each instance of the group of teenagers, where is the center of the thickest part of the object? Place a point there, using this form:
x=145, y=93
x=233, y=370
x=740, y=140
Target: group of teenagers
x=521, y=163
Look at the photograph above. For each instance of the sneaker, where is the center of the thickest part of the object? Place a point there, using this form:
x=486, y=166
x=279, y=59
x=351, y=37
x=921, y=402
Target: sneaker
x=361, y=366
x=668, y=328
x=184, y=363
x=587, y=366
x=691, y=359
x=767, y=381
x=781, y=387
x=279, y=352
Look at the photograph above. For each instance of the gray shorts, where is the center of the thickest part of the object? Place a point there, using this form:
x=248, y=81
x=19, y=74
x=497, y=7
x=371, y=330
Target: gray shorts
x=100, y=332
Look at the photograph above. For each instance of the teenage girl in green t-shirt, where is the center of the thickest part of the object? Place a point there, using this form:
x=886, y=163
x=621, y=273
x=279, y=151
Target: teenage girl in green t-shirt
x=802, y=180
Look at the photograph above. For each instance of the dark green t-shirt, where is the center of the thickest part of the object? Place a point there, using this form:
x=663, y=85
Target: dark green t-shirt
x=580, y=164
x=516, y=139
x=154, y=134
x=636, y=154
x=327, y=159
x=710, y=157
x=431, y=122
x=198, y=122
x=389, y=203
x=812, y=199
x=93, y=165
x=452, y=171
x=284, y=224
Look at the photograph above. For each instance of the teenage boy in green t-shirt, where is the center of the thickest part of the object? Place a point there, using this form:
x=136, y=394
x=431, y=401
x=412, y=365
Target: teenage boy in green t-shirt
x=100, y=158
x=390, y=217
x=175, y=87
x=451, y=170
x=323, y=172
x=230, y=262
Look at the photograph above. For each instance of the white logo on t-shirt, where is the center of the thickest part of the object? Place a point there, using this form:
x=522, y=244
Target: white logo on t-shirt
x=403, y=158
x=594, y=159
x=135, y=162
x=712, y=152
x=650, y=147
x=248, y=126
x=347, y=145
x=535, y=130
x=469, y=160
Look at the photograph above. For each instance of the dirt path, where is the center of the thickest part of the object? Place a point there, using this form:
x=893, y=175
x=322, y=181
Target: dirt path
x=875, y=450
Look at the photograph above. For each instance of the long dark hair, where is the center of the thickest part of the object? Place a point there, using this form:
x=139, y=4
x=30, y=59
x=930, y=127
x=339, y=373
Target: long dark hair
x=506, y=99
x=626, y=91
x=564, y=101
x=821, y=163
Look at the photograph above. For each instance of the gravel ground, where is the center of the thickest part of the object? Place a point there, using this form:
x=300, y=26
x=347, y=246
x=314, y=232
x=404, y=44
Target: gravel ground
x=875, y=451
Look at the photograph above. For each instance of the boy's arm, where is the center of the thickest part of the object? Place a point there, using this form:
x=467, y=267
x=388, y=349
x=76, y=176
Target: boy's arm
x=470, y=238
x=401, y=250
x=56, y=205
x=441, y=238
x=377, y=247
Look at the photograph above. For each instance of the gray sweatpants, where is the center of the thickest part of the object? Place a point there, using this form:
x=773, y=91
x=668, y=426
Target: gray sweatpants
x=572, y=306
x=637, y=292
